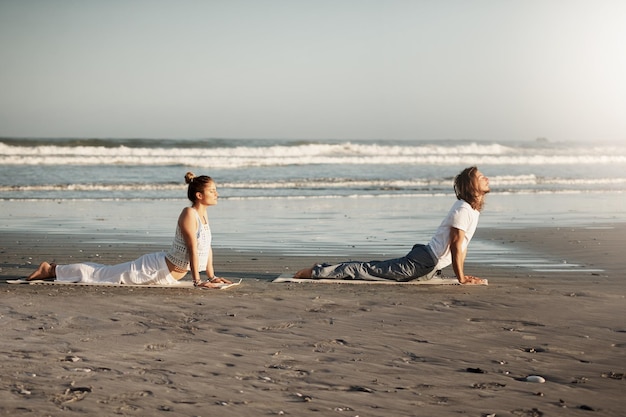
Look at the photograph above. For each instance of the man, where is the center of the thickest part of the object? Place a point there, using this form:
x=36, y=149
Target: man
x=447, y=247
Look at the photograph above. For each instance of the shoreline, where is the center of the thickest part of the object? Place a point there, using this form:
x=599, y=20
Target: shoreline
x=305, y=349
x=340, y=226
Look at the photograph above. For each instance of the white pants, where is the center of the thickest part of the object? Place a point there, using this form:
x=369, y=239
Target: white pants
x=148, y=269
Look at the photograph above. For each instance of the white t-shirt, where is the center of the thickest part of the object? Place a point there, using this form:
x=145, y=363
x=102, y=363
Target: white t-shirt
x=461, y=216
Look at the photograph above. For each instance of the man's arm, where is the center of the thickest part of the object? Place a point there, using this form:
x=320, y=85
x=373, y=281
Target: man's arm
x=457, y=236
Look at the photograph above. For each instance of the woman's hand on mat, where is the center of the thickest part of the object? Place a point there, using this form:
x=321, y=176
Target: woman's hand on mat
x=218, y=280
x=469, y=279
x=209, y=284
x=215, y=282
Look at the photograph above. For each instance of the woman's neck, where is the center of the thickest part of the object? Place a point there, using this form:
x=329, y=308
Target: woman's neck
x=201, y=209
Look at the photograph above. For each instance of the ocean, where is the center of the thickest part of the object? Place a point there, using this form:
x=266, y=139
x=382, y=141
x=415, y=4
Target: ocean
x=317, y=197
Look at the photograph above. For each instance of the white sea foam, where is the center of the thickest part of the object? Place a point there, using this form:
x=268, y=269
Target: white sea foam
x=427, y=185
x=307, y=154
x=153, y=169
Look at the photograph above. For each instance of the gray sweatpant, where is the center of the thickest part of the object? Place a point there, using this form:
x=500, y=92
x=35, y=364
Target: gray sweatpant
x=418, y=264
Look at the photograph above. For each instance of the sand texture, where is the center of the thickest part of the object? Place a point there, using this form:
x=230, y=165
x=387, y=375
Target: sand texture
x=299, y=349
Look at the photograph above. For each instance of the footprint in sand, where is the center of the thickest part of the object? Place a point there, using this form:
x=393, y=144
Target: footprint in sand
x=126, y=396
x=71, y=395
x=533, y=412
x=328, y=346
x=278, y=326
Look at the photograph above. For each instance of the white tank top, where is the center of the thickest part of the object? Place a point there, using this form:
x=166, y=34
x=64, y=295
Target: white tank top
x=178, y=254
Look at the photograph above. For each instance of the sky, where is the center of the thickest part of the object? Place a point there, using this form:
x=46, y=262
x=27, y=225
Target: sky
x=494, y=70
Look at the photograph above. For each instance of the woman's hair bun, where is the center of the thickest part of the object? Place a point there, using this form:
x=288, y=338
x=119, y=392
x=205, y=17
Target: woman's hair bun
x=189, y=177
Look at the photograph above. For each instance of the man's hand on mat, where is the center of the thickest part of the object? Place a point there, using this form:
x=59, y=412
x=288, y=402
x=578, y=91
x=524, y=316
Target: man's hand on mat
x=469, y=279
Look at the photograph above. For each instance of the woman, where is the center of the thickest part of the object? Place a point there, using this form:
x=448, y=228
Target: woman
x=190, y=251
x=448, y=245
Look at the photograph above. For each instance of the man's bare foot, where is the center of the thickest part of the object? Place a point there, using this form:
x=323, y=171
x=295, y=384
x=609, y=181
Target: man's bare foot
x=304, y=273
x=45, y=271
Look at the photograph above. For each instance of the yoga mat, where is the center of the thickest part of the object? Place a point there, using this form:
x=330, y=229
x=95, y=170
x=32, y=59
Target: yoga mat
x=434, y=281
x=181, y=284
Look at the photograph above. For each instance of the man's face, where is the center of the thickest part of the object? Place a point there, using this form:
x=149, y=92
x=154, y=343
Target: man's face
x=482, y=182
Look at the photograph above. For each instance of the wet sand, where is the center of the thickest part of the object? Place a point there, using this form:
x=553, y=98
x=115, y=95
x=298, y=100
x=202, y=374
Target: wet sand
x=314, y=349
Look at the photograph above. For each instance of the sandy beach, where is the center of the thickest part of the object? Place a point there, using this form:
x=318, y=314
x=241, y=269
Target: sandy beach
x=319, y=349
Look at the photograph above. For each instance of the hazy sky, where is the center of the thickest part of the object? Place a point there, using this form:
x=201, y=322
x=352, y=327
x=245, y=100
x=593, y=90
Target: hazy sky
x=345, y=69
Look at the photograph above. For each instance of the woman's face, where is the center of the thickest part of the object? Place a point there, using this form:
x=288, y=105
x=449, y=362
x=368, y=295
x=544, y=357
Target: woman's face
x=209, y=196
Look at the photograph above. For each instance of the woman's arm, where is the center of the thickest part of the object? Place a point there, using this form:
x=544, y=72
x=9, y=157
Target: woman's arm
x=188, y=225
x=210, y=272
x=457, y=236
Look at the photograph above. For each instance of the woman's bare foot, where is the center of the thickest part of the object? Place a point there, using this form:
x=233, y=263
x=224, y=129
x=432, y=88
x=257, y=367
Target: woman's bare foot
x=304, y=273
x=45, y=271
